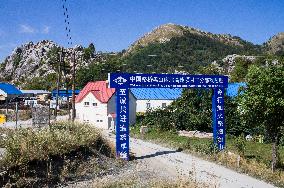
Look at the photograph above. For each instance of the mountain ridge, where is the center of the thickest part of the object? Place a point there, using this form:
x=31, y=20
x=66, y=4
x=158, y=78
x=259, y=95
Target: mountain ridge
x=176, y=48
x=165, y=32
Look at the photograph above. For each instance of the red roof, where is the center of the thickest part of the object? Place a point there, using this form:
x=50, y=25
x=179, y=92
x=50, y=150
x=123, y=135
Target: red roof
x=99, y=89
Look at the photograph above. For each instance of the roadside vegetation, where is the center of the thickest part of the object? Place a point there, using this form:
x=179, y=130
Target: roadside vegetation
x=49, y=156
x=254, y=157
x=257, y=111
x=162, y=183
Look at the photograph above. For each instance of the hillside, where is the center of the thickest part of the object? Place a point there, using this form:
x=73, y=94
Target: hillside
x=166, y=32
x=275, y=45
x=169, y=48
x=34, y=65
x=174, y=48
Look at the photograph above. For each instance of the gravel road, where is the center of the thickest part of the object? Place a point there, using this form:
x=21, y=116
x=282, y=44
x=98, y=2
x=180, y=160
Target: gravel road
x=172, y=163
x=158, y=162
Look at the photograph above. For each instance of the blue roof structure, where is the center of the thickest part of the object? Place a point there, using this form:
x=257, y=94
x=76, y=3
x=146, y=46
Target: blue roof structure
x=174, y=93
x=233, y=88
x=62, y=93
x=156, y=93
x=10, y=89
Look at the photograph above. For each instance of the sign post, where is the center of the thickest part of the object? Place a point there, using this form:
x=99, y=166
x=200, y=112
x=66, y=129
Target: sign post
x=122, y=123
x=123, y=81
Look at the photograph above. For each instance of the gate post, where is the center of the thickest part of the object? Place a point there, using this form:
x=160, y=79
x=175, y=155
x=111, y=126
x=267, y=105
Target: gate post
x=122, y=123
x=218, y=115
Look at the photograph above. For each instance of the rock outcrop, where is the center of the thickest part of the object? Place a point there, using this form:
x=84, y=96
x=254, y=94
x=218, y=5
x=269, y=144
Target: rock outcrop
x=33, y=60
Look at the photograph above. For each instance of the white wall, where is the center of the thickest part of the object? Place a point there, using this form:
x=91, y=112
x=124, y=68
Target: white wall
x=92, y=114
x=142, y=104
x=96, y=115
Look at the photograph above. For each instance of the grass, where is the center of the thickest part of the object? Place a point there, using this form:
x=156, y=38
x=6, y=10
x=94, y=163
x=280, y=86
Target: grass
x=152, y=184
x=26, y=145
x=255, y=162
x=4, y=133
x=135, y=180
x=53, y=154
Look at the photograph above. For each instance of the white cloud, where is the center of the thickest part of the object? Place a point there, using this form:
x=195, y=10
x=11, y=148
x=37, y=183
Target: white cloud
x=24, y=28
x=46, y=29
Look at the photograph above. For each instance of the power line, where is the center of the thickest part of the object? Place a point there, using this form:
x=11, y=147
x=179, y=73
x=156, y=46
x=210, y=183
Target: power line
x=67, y=22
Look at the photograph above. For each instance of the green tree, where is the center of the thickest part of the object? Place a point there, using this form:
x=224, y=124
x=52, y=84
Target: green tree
x=241, y=69
x=97, y=70
x=262, y=104
x=89, y=52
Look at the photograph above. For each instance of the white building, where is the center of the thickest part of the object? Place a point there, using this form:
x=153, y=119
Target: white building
x=95, y=104
x=153, y=98
x=40, y=95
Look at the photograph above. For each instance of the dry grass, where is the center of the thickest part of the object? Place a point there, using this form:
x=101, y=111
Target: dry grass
x=251, y=167
x=257, y=166
x=26, y=145
x=160, y=183
x=46, y=157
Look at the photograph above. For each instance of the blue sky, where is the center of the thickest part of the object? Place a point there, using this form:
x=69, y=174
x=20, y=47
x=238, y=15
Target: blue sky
x=112, y=25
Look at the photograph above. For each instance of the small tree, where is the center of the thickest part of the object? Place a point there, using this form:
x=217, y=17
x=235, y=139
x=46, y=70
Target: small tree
x=263, y=103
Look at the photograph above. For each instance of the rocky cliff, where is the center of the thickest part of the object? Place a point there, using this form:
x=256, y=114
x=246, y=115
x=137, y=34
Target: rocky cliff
x=38, y=60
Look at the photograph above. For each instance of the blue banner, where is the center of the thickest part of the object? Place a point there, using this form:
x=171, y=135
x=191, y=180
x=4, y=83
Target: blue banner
x=123, y=81
x=218, y=113
x=118, y=80
x=122, y=123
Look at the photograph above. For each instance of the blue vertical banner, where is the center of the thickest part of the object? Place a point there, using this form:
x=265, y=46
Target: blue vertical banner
x=122, y=123
x=218, y=113
x=123, y=81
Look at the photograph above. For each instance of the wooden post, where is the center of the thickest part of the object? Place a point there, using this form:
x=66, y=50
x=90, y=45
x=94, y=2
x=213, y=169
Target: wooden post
x=73, y=87
x=49, y=115
x=67, y=88
x=16, y=115
x=58, y=82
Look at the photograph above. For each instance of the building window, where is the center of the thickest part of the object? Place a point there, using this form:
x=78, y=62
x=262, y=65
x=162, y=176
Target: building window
x=148, y=105
x=98, y=120
x=86, y=103
x=101, y=120
x=164, y=105
x=95, y=104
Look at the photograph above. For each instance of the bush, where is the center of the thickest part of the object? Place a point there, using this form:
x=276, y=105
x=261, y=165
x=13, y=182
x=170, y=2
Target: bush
x=28, y=144
x=240, y=145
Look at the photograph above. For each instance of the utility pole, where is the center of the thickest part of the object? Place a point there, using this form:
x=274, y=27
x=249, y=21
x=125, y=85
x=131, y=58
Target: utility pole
x=16, y=115
x=67, y=98
x=73, y=87
x=58, y=82
x=66, y=85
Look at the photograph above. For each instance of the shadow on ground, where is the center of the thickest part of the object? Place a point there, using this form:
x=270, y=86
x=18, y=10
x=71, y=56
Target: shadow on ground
x=158, y=153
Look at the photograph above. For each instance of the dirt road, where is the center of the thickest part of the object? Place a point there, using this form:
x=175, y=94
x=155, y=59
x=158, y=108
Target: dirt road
x=175, y=164
x=178, y=164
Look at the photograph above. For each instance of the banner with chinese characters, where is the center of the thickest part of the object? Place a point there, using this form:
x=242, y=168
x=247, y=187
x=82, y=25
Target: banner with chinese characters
x=218, y=117
x=123, y=81
x=167, y=81
x=122, y=123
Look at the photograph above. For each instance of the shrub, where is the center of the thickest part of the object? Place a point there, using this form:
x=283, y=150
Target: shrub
x=28, y=144
x=240, y=145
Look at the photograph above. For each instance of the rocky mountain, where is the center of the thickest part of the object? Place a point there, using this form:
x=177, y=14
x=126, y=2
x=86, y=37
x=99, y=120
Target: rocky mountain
x=166, y=32
x=275, y=45
x=169, y=48
x=36, y=62
x=175, y=48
